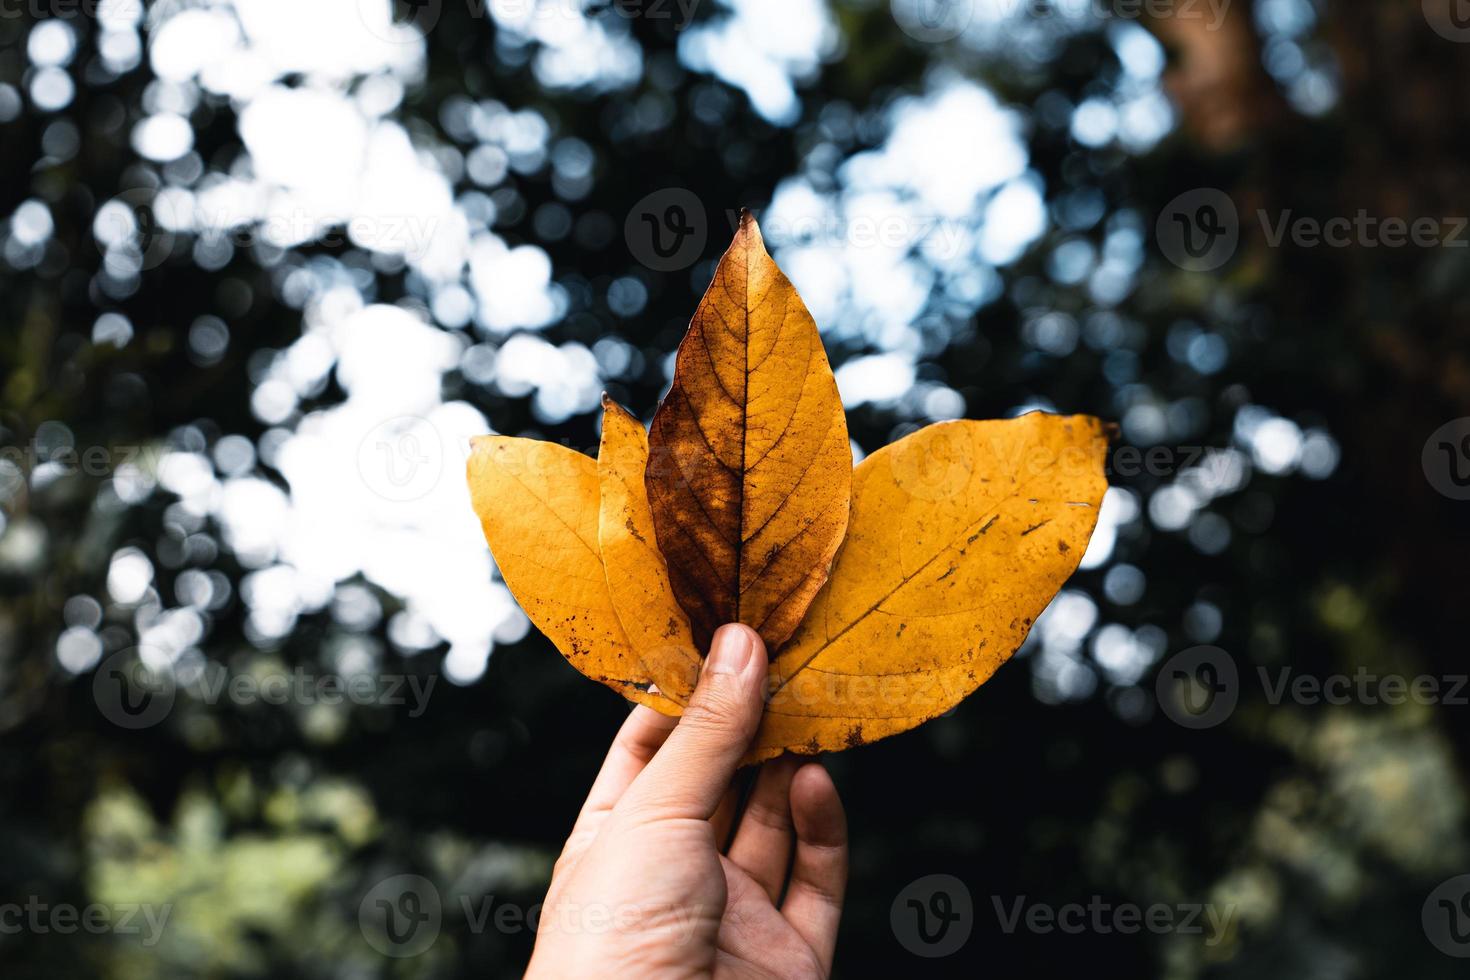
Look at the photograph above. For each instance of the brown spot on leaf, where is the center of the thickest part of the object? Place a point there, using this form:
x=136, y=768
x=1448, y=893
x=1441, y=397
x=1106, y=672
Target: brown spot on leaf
x=633, y=530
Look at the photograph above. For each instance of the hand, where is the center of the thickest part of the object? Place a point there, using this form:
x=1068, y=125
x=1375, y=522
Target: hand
x=642, y=888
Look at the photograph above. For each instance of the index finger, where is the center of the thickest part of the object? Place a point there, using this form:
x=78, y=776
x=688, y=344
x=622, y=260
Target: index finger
x=636, y=742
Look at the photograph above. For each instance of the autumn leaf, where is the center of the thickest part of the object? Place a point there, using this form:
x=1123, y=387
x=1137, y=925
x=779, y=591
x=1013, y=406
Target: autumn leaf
x=961, y=534
x=538, y=505
x=637, y=577
x=751, y=466
x=733, y=507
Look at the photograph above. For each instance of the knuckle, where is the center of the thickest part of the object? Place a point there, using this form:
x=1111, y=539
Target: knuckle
x=718, y=707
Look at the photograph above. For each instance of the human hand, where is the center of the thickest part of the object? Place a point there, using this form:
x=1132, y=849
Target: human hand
x=642, y=887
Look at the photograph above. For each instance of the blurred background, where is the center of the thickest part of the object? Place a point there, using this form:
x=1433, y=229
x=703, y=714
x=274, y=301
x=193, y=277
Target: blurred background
x=266, y=709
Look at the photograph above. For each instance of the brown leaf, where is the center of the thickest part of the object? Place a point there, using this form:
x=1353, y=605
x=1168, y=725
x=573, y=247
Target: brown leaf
x=733, y=507
x=751, y=466
x=961, y=534
x=637, y=578
x=538, y=505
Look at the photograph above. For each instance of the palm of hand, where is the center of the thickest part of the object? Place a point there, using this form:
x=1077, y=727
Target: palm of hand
x=642, y=887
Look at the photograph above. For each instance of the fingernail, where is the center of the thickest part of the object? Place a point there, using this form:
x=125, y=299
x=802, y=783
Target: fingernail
x=730, y=650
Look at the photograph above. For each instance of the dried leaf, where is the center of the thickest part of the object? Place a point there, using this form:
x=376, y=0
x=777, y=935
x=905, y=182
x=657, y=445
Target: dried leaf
x=733, y=507
x=538, y=505
x=961, y=534
x=637, y=578
x=751, y=467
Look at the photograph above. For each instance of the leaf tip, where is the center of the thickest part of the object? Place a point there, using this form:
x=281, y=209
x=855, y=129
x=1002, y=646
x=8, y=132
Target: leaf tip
x=610, y=407
x=750, y=230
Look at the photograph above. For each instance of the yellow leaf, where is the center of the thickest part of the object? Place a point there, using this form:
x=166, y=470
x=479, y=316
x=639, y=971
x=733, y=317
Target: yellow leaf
x=637, y=578
x=538, y=505
x=751, y=468
x=734, y=506
x=961, y=534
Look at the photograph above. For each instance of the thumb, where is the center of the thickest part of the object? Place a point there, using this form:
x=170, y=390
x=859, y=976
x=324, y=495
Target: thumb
x=691, y=772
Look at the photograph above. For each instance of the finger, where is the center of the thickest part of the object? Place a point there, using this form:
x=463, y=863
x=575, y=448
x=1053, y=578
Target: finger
x=640, y=737
x=813, y=903
x=762, y=844
x=691, y=772
x=724, y=817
